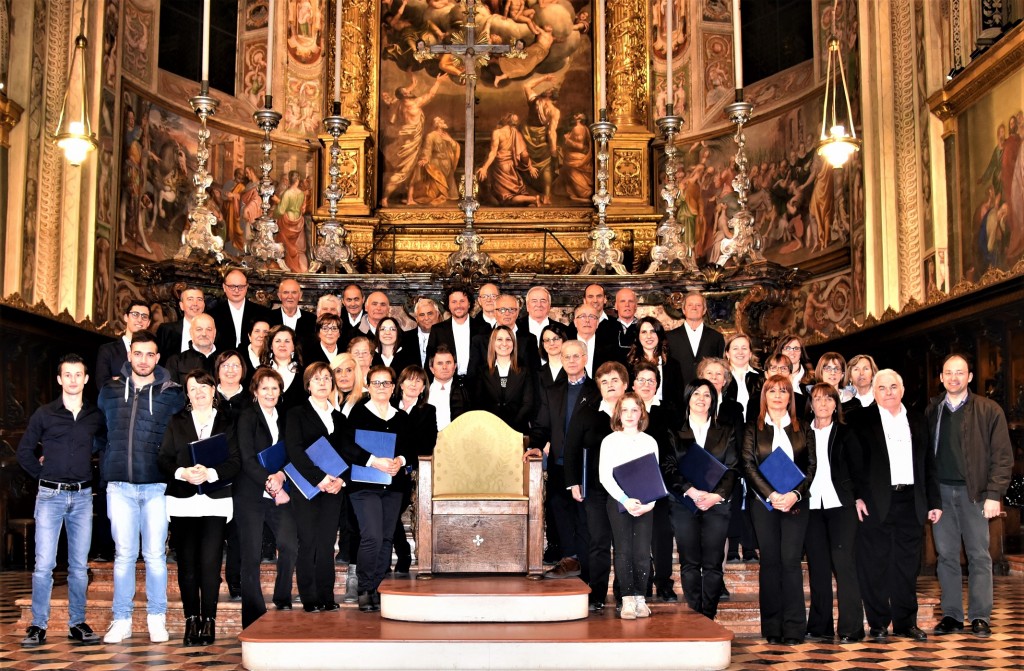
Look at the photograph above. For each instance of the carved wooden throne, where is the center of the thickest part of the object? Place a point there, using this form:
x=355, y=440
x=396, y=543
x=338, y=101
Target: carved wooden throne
x=479, y=505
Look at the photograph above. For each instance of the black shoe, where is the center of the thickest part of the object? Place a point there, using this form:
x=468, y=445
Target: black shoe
x=726, y=596
x=595, y=607
x=668, y=595
x=311, y=607
x=819, y=638
x=751, y=557
x=791, y=641
x=949, y=625
x=341, y=558
x=879, y=633
x=846, y=639
x=733, y=559
x=980, y=628
x=329, y=606
x=365, y=602
x=375, y=599
x=34, y=637
x=208, y=632
x=774, y=640
x=400, y=574
x=83, y=634
x=193, y=624
x=911, y=632
x=283, y=605
x=235, y=592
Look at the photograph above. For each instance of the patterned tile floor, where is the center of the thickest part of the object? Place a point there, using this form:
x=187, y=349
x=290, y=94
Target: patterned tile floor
x=1005, y=650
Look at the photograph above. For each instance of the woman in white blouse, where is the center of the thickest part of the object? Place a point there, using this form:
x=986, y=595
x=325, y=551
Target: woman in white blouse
x=257, y=341
x=632, y=529
x=197, y=521
x=284, y=355
x=745, y=386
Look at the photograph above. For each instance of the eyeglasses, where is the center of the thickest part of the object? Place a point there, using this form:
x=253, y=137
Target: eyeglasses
x=571, y=357
x=646, y=380
x=236, y=287
x=135, y=314
x=381, y=384
x=489, y=297
x=778, y=369
x=552, y=339
x=792, y=348
x=329, y=329
x=832, y=369
x=587, y=317
x=231, y=366
x=506, y=311
x=386, y=329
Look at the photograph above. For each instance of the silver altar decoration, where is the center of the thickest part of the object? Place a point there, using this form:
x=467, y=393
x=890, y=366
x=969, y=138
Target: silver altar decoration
x=199, y=237
x=601, y=256
x=262, y=249
x=673, y=251
x=330, y=253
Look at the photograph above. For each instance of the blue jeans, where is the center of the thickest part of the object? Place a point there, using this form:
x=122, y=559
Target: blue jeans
x=73, y=510
x=136, y=510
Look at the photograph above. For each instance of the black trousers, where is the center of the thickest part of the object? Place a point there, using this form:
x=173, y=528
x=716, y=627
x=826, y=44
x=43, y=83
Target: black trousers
x=250, y=516
x=632, y=538
x=348, y=529
x=781, y=583
x=317, y=525
x=661, y=544
x=377, y=510
x=599, y=529
x=199, y=546
x=830, y=545
x=741, y=528
x=403, y=551
x=889, y=559
x=571, y=519
x=232, y=556
x=701, y=539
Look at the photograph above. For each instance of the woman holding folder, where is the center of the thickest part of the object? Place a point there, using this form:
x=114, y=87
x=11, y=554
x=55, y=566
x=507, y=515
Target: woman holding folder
x=780, y=517
x=198, y=502
x=632, y=529
x=259, y=496
x=700, y=502
x=378, y=505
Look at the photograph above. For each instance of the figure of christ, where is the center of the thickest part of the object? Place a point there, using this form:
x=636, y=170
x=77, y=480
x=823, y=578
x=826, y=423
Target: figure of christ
x=292, y=225
x=435, y=179
x=506, y=159
x=402, y=152
x=578, y=161
x=541, y=132
x=517, y=11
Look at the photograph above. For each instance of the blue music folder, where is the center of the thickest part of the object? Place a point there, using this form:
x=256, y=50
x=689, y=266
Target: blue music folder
x=703, y=471
x=302, y=484
x=640, y=479
x=274, y=457
x=210, y=452
x=781, y=473
x=379, y=444
x=326, y=458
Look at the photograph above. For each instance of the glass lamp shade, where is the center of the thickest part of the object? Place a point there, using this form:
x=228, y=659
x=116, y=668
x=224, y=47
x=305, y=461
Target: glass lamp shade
x=75, y=143
x=838, y=146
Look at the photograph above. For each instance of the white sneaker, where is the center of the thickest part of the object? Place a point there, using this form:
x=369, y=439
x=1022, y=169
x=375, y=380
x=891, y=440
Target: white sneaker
x=157, y=628
x=118, y=631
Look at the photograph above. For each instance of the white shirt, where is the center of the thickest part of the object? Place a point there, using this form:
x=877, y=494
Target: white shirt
x=354, y=322
x=236, y=319
x=461, y=333
x=823, y=490
x=898, y=444
x=287, y=373
x=330, y=355
x=254, y=358
x=618, y=448
x=693, y=335
x=186, y=334
x=291, y=322
x=440, y=396
x=424, y=338
x=795, y=378
x=866, y=399
x=556, y=368
x=742, y=393
x=491, y=321
x=271, y=418
x=700, y=431
x=536, y=327
x=591, y=348
x=199, y=505
x=324, y=415
x=780, y=439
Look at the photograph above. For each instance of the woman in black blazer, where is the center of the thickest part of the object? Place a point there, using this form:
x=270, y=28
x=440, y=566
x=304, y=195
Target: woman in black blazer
x=260, y=498
x=780, y=529
x=389, y=350
x=197, y=520
x=232, y=395
x=503, y=388
x=316, y=519
x=700, y=518
x=741, y=370
x=716, y=371
x=550, y=348
x=378, y=506
x=832, y=526
x=283, y=353
x=652, y=346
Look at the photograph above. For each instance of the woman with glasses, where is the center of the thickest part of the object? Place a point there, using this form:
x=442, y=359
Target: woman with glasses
x=832, y=521
x=328, y=332
x=505, y=388
x=258, y=331
x=362, y=348
x=232, y=396
x=551, y=340
x=283, y=354
x=780, y=518
x=389, y=350
x=652, y=346
x=378, y=506
x=700, y=531
x=745, y=385
x=831, y=370
x=802, y=377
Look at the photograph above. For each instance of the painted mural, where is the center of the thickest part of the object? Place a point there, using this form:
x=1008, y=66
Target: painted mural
x=303, y=77
x=680, y=42
x=158, y=161
x=531, y=144
x=991, y=133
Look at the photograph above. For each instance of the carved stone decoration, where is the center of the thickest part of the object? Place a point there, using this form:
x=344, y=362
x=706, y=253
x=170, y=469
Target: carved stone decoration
x=628, y=67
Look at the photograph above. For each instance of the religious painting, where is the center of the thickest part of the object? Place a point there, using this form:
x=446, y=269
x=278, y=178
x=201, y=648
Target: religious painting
x=158, y=162
x=680, y=40
x=718, y=75
x=137, y=54
x=929, y=275
x=992, y=195
x=531, y=144
x=111, y=29
x=254, y=71
x=305, y=31
x=718, y=11
x=257, y=13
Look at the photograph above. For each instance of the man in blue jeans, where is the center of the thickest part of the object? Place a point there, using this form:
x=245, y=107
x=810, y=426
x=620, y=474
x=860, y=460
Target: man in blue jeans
x=137, y=407
x=64, y=430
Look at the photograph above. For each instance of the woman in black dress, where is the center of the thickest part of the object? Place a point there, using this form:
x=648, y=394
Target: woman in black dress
x=503, y=387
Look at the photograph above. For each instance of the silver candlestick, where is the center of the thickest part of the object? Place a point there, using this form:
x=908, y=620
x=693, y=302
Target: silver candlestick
x=601, y=255
x=330, y=252
x=469, y=260
x=199, y=237
x=265, y=251
x=673, y=251
x=745, y=243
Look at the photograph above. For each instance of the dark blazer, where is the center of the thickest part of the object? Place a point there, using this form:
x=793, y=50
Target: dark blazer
x=878, y=492
x=530, y=350
x=423, y=429
x=672, y=386
x=846, y=463
x=180, y=365
x=711, y=344
x=305, y=328
x=175, y=453
x=550, y=423
x=168, y=338
x=754, y=381
x=442, y=333
x=313, y=352
x=110, y=359
x=478, y=351
x=587, y=430
x=410, y=342
x=757, y=445
x=720, y=442
x=233, y=407
x=304, y=427
x=221, y=313
x=405, y=446
x=294, y=395
x=513, y=404
x=730, y=413
x=402, y=358
x=250, y=437
x=619, y=338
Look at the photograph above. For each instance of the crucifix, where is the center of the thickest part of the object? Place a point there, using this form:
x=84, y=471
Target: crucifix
x=471, y=53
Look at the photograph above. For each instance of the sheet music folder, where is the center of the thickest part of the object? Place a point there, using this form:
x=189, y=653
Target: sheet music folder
x=781, y=473
x=210, y=452
x=326, y=458
x=379, y=444
x=640, y=479
x=702, y=469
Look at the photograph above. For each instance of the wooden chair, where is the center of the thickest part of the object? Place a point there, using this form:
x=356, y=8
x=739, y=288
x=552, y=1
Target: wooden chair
x=479, y=504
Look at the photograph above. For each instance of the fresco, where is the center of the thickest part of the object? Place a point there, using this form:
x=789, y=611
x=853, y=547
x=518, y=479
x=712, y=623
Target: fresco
x=719, y=11
x=158, y=160
x=530, y=147
x=137, y=54
x=659, y=52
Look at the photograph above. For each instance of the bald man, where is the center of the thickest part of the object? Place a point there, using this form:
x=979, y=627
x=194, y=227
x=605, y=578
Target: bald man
x=289, y=292
x=378, y=306
x=201, y=350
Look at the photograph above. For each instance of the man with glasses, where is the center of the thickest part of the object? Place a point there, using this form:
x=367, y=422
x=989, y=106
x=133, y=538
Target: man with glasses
x=235, y=312
x=694, y=340
x=625, y=328
x=458, y=330
x=538, y=309
x=585, y=319
x=174, y=337
x=487, y=300
x=112, y=356
x=302, y=322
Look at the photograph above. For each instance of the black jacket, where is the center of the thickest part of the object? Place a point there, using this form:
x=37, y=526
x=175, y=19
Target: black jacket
x=66, y=442
x=405, y=445
x=221, y=313
x=443, y=334
x=180, y=365
x=711, y=344
x=587, y=430
x=175, y=453
x=513, y=404
x=757, y=445
x=110, y=359
x=305, y=328
x=846, y=463
x=720, y=442
x=530, y=349
x=550, y=424
x=304, y=427
x=754, y=381
x=250, y=437
x=423, y=428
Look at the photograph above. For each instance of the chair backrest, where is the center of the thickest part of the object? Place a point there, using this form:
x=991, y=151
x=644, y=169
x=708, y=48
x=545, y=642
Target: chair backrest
x=478, y=454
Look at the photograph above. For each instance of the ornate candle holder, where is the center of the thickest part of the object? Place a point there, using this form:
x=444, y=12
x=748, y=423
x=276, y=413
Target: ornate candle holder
x=745, y=244
x=601, y=255
x=263, y=250
x=673, y=251
x=199, y=237
x=330, y=253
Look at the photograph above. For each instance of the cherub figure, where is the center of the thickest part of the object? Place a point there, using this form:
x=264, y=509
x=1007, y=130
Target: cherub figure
x=517, y=11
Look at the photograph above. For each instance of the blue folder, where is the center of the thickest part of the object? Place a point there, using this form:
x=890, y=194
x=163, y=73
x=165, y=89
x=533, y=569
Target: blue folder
x=210, y=452
x=640, y=479
x=273, y=458
x=703, y=471
x=302, y=484
x=326, y=458
x=379, y=444
x=781, y=473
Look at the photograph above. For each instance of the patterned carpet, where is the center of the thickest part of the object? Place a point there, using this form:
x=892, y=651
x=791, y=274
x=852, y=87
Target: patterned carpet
x=1004, y=650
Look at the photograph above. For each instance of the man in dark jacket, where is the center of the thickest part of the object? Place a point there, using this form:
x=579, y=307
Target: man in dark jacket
x=137, y=408
x=201, y=352
x=112, y=356
x=974, y=461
